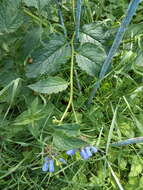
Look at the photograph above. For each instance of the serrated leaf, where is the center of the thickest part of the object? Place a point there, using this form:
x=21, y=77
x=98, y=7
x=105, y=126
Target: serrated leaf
x=49, y=58
x=70, y=129
x=90, y=58
x=31, y=40
x=49, y=85
x=96, y=31
x=64, y=142
x=10, y=16
x=37, y=3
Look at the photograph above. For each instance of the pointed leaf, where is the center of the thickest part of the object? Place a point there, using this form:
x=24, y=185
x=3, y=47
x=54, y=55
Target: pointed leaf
x=90, y=58
x=10, y=16
x=37, y=3
x=50, y=85
x=31, y=40
x=97, y=31
x=49, y=58
x=64, y=142
x=70, y=129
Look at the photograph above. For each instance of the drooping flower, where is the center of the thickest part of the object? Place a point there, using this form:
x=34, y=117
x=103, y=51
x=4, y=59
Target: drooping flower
x=45, y=167
x=71, y=152
x=85, y=152
x=48, y=165
x=94, y=149
x=88, y=151
x=51, y=166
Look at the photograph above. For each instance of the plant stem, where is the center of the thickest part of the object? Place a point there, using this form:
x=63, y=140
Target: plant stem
x=59, y=2
x=77, y=20
x=36, y=18
x=71, y=82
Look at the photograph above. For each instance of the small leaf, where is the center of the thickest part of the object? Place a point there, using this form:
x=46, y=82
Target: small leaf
x=49, y=58
x=70, y=129
x=90, y=58
x=10, y=16
x=64, y=142
x=136, y=167
x=49, y=85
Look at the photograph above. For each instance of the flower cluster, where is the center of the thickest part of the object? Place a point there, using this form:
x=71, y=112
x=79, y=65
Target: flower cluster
x=49, y=164
x=85, y=153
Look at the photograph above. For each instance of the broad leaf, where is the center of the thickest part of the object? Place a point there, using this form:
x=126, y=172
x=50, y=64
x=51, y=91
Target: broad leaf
x=49, y=58
x=31, y=40
x=34, y=113
x=90, y=57
x=95, y=31
x=10, y=16
x=64, y=142
x=70, y=129
x=37, y=3
x=49, y=85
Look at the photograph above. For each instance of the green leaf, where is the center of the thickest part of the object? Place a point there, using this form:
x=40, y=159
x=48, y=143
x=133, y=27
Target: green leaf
x=34, y=113
x=70, y=129
x=90, y=58
x=49, y=85
x=31, y=40
x=136, y=167
x=49, y=58
x=10, y=16
x=138, y=63
x=64, y=142
x=96, y=31
x=37, y=3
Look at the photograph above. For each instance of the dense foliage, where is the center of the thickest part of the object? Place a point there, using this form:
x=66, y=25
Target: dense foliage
x=52, y=54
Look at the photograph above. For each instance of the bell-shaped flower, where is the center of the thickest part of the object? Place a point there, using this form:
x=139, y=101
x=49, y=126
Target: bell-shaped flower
x=51, y=166
x=84, y=154
x=48, y=165
x=71, y=152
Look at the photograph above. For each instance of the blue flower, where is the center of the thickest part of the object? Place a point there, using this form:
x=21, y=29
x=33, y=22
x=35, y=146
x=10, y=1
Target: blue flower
x=45, y=167
x=94, y=149
x=85, y=152
x=71, y=152
x=88, y=151
x=51, y=166
x=48, y=165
